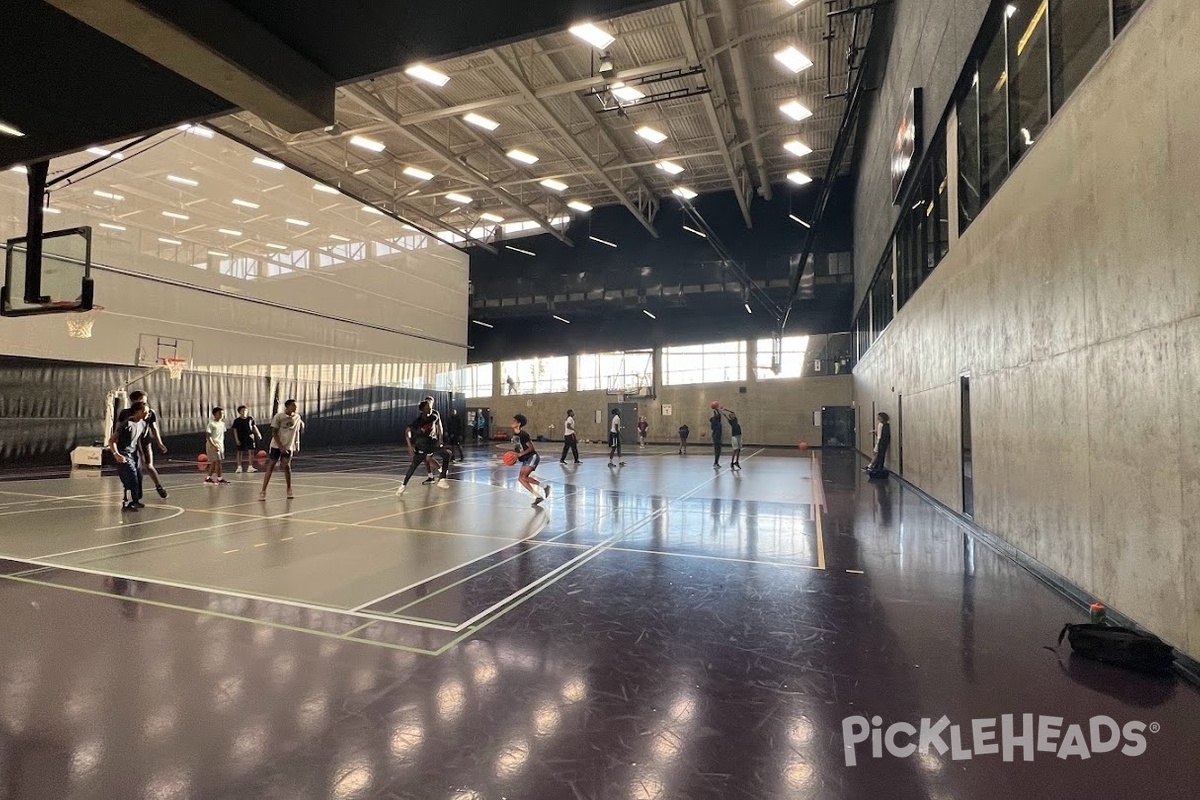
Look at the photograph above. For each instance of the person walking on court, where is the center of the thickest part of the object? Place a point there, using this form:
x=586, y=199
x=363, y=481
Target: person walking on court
x=214, y=446
x=150, y=439
x=715, y=424
x=570, y=440
x=883, y=439
x=614, y=438
x=684, y=432
x=735, y=440
x=286, y=427
x=529, y=459
x=437, y=432
x=643, y=427
x=422, y=445
x=455, y=433
x=125, y=445
x=245, y=439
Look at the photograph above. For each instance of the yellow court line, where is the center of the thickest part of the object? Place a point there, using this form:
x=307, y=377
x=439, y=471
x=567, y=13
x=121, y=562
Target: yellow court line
x=717, y=558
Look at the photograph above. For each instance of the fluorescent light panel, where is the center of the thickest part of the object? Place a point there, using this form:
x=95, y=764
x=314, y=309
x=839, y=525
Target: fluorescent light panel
x=267, y=162
x=182, y=181
x=20, y=169
x=427, y=74
x=300, y=222
x=519, y=250
x=9, y=130
x=483, y=324
x=175, y=215
x=418, y=173
x=229, y=231
x=339, y=238
x=690, y=229
x=165, y=240
x=748, y=309
x=277, y=246
x=367, y=144
x=244, y=203
x=651, y=135
x=580, y=206
x=108, y=195
x=684, y=192
x=361, y=171
x=112, y=226
x=669, y=167
x=602, y=241
x=320, y=187
x=218, y=254
x=799, y=178
x=480, y=121
x=793, y=59
x=797, y=147
x=594, y=36
x=648, y=314
x=553, y=185
x=562, y=319
x=799, y=221
x=372, y=210
x=491, y=217
x=626, y=93
x=796, y=110
x=461, y=199
x=522, y=156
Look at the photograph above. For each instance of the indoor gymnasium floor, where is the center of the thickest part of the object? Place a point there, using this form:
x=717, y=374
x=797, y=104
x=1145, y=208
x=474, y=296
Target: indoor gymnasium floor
x=659, y=630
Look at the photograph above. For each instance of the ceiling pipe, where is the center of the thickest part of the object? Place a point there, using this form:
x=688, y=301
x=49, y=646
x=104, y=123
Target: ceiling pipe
x=741, y=77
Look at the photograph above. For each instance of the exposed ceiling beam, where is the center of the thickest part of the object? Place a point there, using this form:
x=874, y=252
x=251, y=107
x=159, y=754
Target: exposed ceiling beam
x=745, y=93
x=710, y=109
x=464, y=170
x=219, y=48
x=644, y=216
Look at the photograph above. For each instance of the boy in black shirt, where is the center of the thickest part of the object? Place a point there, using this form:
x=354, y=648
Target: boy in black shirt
x=150, y=439
x=422, y=445
x=735, y=440
x=125, y=444
x=529, y=460
x=245, y=439
x=684, y=432
x=454, y=433
x=715, y=423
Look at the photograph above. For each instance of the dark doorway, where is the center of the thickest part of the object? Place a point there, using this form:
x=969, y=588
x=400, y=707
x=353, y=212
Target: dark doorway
x=479, y=422
x=837, y=426
x=968, y=483
x=900, y=434
x=629, y=419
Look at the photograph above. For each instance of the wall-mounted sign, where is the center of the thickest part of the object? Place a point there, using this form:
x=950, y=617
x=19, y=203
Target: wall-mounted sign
x=907, y=146
x=667, y=409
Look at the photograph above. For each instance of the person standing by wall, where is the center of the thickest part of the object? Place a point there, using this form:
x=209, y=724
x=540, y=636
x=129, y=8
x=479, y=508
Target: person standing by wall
x=455, y=433
x=614, y=438
x=570, y=440
x=883, y=439
x=643, y=429
x=715, y=423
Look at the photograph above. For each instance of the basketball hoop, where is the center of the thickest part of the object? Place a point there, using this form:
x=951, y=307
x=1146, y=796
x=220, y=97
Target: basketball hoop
x=79, y=324
x=175, y=367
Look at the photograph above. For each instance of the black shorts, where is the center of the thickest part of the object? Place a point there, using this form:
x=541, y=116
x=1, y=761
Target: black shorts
x=614, y=440
x=277, y=454
x=243, y=447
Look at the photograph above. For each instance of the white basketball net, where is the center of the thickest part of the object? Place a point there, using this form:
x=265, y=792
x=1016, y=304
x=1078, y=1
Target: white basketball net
x=79, y=326
x=175, y=367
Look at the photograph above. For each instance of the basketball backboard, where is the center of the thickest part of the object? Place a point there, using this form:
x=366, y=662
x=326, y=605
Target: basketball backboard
x=155, y=351
x=62, y=281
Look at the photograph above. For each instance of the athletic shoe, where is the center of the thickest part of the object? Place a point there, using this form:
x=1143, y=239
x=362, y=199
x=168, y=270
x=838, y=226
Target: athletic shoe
x=546, y=490
x=578, y=462
x=563, y=462
x=262, y=495
x=621, y=463
x=162, y=492
x=716, y=466
x=137, y=506
x=537, y=501
x=222, y=480
x=443, y=484
x=291, y=496
x=611, y=464
x=400, y=490
x=251, y=469
x=128, y=507
x=210, y=480
x=237, y=471
x=429, y=480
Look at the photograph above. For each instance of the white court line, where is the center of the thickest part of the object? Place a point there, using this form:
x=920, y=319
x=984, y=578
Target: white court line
x=178, y=513
x=97, y=504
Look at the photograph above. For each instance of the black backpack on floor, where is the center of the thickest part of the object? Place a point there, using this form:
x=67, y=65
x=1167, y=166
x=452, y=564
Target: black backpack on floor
x=1121, y=647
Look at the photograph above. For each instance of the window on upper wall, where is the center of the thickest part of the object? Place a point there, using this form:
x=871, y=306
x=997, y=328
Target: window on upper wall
x=473, y=380
x=618, y=370
x=1078, y=37
x=993, y=117
x=881, y=299
x=704, y=363
x=1028, y=75
x=535, y=375
x=1123, y=11
x=793, y=350
x=969, y=199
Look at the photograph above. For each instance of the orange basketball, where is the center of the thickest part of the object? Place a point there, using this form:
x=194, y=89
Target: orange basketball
x=510, y=458
x=715, y=404
x=803, y=446
x=202, y=458
x=262, y=453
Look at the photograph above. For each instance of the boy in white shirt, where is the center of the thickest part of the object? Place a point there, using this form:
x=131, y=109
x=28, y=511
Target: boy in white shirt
x=285, y=442
x=570, y=440
x=214, y=445
x=614, y=438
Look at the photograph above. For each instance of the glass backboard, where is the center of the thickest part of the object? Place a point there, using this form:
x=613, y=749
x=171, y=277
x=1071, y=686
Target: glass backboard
x=65, y=272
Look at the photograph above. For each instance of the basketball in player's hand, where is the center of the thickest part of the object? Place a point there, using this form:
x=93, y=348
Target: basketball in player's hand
x=510, y=458
x=715, y=404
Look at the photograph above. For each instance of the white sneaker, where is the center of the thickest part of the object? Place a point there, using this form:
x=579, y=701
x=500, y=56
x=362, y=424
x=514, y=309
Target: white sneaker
x=400, y=490
x=237, y=471
x=251, y=469
x=443, y=484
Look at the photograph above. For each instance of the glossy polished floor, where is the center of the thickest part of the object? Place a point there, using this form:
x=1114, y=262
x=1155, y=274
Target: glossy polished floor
x=661, y=630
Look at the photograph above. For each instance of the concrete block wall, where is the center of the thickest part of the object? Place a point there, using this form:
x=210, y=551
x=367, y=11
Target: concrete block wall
x=1073, y=302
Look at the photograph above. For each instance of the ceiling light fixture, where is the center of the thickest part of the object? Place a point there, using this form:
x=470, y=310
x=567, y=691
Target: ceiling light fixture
x=277, y=246
x=229, y=231
x=690, y=229
x=799, y=178
x=626, y=93
x=320, y=187
x=519, y=250
x=579, y=206
x=165, y=240
x=218, y=254
x=183, y=181
x=553, y=185
x=669, y=167
x=112, y=226
x=9, y=130
x=522, y=156
x=602, y=241
x=427, y=74
x=491, y=217
x=651, y=135
x=796, y=110
x=461, y=199
x=361, y=171
x=684, y=192
x=797, y=147
x=562, y=319
x=594, y=36
x=20, y=169
x=418, y=173
x=294, y=221
x=49, y=210
x=367, y=144
x=175, y=215
x=372, y=210
x=1009, y=10
x=244, y=203
x=480, y=121
x=483, y=324
x=799, y=221
x=748, y=309
x=99, y=151
x=267, y=162
x=197, y=130
x=793, y=59
x=648, y=314
x=339, y=237
x=108, y=195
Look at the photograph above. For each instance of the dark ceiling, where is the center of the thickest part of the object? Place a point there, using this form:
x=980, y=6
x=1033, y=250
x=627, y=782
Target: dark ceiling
x=67, y=86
